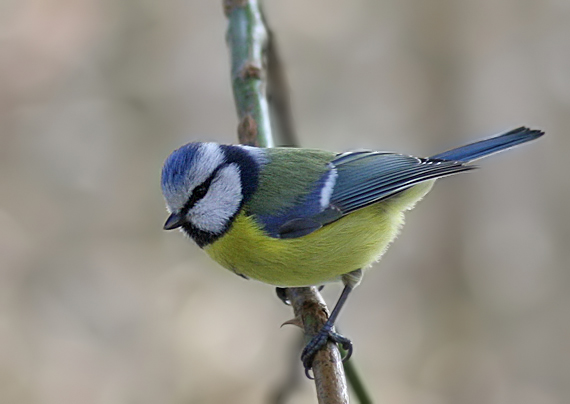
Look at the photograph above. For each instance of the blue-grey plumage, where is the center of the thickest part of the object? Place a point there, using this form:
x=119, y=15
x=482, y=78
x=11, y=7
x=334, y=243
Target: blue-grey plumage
x=486, y=147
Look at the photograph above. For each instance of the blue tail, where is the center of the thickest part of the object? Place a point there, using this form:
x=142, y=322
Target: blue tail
x=489, y=146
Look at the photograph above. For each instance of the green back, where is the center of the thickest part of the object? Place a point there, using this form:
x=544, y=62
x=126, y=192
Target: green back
x=287, y=177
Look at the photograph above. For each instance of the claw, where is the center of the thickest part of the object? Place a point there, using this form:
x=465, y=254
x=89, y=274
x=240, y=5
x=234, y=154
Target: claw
x=348, y=353
x=346, y=345
x=282, y=295
x=318, y=342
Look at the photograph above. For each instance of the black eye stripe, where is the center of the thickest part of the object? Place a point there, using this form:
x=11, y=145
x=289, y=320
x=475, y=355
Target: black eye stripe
x=199, y=192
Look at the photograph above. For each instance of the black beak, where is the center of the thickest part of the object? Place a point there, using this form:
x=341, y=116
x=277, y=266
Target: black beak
x=174, y=221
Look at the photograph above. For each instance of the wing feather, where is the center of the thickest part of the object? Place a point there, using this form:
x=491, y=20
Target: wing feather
x=368, y=178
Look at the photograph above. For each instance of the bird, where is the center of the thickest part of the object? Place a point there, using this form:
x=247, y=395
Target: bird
x=295, y=217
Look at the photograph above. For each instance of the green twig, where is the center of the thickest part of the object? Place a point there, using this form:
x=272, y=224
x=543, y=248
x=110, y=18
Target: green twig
x=247, y=39
x=354, y=380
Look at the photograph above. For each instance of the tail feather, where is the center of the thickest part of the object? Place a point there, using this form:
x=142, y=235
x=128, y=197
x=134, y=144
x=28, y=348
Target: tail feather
x=490, y=146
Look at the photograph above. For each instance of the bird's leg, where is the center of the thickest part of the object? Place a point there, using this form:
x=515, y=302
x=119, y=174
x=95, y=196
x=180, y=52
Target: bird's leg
x=351, y=280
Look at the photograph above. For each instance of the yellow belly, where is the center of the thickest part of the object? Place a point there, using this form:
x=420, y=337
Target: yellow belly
x=352, y=242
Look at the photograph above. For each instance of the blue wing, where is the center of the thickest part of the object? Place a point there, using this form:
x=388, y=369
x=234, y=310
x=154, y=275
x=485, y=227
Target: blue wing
x=365, y=177
x=297, y=220
x=360, y=179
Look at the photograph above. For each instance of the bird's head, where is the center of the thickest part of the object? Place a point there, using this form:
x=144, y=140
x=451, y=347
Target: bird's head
x=206, y=184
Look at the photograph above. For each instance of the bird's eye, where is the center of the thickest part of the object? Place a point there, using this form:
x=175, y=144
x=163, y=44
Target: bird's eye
x=200, y=191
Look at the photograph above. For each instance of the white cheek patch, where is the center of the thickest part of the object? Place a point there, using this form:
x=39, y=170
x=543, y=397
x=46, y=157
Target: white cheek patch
x=328, y=187
x=212, y=213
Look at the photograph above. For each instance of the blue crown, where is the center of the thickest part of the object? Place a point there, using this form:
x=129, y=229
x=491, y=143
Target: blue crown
x=176, y=166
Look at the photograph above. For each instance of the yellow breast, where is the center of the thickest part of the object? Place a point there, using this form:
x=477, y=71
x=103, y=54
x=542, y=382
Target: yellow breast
x=352, y=242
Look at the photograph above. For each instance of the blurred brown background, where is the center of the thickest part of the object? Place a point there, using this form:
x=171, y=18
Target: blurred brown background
x=99, y=305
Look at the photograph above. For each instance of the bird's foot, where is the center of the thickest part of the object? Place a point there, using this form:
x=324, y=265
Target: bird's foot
x=282, y=295
x=319, y=341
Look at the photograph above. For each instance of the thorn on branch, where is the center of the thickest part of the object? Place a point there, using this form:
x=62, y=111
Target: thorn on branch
x=297, y=321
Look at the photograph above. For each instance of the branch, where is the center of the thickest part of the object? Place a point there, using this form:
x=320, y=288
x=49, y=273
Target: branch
x=311, y=309
x=248, y=40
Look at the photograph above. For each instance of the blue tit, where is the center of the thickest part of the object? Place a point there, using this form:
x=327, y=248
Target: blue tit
x=299, y=217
